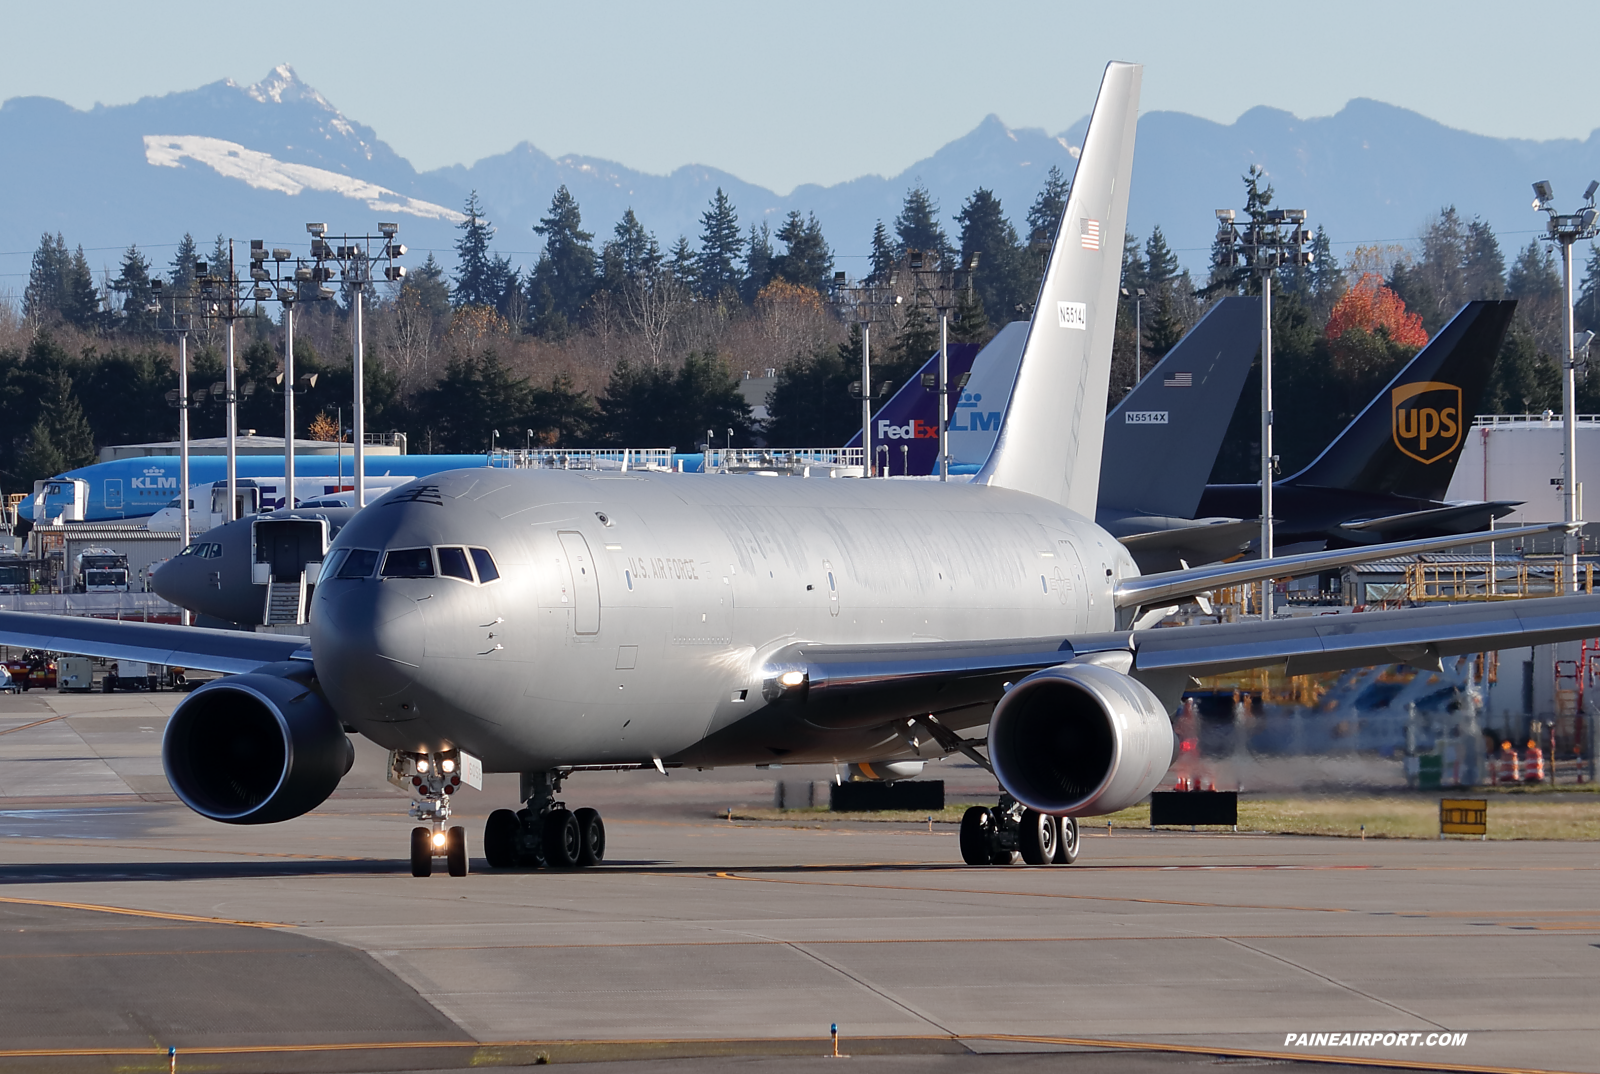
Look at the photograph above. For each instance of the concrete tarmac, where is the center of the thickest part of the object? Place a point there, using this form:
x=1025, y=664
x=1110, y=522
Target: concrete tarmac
x=129, y=924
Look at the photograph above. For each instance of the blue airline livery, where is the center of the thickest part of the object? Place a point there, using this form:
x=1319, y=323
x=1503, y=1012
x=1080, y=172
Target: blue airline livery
x=137, y=488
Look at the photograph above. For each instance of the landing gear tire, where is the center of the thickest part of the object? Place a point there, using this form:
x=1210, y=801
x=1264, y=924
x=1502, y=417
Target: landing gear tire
x=592, y=832
x=563, y=841
x=500, y=839
x=1067, y=843
x=1039, y=837
x=455, y=850
x=421, y=852
x=977, y=829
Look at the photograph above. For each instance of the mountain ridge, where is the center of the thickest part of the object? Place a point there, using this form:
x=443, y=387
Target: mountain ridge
x=226, y=157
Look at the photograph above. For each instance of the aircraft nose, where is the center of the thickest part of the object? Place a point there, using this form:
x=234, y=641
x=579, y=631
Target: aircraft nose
x=179, y=580
x=368, y=642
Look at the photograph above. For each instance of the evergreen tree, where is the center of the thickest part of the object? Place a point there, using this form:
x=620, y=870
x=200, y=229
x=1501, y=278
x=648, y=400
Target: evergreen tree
x=811, y=402
x=564, y=277
x=883, y=256
x=807, y=261
x=758, y=261
x=1134, y=273
x=720, y=248
x=481, y=277
x=1324, y=278
x=684, y=265
x=431, y=291
x=1586, y=310
x=674, y=407
x=40, y=459
x=1484, y=270
x=221, y=254
x=631, y=253
x=969, y=322
x=62, y=415
x=1521, y=382
x=80, y=299
x=1534, y=273
x=181, y=279
x=1044, y=216
x=1161, y=264
x=917, y=226
x=998, y=281
x=135, y=295
x=45, y=295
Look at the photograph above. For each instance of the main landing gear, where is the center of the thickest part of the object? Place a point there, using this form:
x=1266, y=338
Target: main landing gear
x=435, y=778
x=1000, y=835
x=544, y=832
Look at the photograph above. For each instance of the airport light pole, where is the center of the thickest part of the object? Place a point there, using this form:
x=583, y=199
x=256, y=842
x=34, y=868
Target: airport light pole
x=274, y=279
x=1270, y=239
x=1137, y=294
x=942, y=295
x=863, y=296
x=1566, y=229
x=219, y=297
x=358, y=258
x=181, y=310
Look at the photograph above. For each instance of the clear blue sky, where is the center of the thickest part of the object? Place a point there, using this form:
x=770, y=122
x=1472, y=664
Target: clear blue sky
x=782, y=94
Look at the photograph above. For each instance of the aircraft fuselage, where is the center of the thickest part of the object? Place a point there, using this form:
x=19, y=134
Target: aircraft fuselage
x=633, y=613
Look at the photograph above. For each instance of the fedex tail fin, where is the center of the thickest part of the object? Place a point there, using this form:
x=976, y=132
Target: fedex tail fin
x=1163, y=438
x=1407, y=441
x=1050, y=438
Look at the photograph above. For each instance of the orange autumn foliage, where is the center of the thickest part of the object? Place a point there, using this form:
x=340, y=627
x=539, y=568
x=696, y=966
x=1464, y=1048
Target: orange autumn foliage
x=1369, y=306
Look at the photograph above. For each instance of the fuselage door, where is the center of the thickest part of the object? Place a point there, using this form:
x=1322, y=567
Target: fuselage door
x=113, y=494
x=585, y=583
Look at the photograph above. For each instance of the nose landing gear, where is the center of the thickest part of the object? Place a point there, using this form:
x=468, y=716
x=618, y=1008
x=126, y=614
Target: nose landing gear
x=1000, y=835
x=435, y=778
x=546, y=832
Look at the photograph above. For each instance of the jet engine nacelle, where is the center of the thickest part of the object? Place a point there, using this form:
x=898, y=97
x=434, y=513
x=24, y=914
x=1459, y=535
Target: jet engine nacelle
x=1079, y=740
x=256, y=748
x=884, y=771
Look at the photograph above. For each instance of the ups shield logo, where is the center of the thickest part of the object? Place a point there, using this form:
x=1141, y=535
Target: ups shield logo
x=1426, y=418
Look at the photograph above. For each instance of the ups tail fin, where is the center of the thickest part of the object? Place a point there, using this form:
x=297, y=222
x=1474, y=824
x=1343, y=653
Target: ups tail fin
x=1408, y=440
x=1050, y=438
x=1162, y=438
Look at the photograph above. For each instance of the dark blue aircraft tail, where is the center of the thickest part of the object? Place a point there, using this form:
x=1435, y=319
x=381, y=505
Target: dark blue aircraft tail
x=1408, y=440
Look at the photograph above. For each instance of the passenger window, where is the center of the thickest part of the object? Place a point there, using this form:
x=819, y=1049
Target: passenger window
x=485, y=564
x=408, y=563
x=359, y=563
x=453, y=564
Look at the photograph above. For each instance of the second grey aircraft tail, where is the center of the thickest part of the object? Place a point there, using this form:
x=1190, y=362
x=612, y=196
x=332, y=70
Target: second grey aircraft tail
x=1162, y=438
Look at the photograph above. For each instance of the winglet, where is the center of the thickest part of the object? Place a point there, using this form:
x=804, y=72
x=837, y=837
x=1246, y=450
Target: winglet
x=1050, y=439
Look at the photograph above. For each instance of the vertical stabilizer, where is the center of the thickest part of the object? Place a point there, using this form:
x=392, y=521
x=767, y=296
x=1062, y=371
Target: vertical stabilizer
x=1050, y=440
x=1408, y=440
x=1162, y=439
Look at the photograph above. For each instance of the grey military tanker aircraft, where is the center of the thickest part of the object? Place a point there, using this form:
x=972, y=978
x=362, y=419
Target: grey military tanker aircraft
x=550, y=623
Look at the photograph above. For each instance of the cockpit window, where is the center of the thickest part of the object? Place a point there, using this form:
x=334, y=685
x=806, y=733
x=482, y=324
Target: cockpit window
x=335, y=560
x=358, y=564
x=216, y=551
x=408, y=563
x=485, y=564
x=453, y=564
x=190, y=550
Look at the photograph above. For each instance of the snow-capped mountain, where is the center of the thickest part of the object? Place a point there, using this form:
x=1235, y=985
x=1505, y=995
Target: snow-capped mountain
x=260, y=161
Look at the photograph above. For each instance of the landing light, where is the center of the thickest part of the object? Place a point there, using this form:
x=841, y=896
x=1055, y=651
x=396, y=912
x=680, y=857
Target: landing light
x=438, y=839
x=792, y=678
x=448, y=766
x=422, y=766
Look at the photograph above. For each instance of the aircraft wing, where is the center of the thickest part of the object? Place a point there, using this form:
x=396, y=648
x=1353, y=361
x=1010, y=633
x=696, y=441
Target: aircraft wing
x=1150, y=590
x=228, y=651
x=844, y=686
x=1168, y=549
x=1455, y=517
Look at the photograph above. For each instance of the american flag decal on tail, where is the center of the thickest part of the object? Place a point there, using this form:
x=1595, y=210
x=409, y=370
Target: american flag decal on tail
x=1178, y=380
x=1089, y=231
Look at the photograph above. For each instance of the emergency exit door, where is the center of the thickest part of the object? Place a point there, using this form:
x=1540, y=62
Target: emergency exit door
x=585, y=583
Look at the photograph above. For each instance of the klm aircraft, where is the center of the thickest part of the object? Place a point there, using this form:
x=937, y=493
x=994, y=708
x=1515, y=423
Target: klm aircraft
x=552, y=623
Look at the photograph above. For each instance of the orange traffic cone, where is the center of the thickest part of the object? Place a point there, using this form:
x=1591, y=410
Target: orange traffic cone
x=1534, y=773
